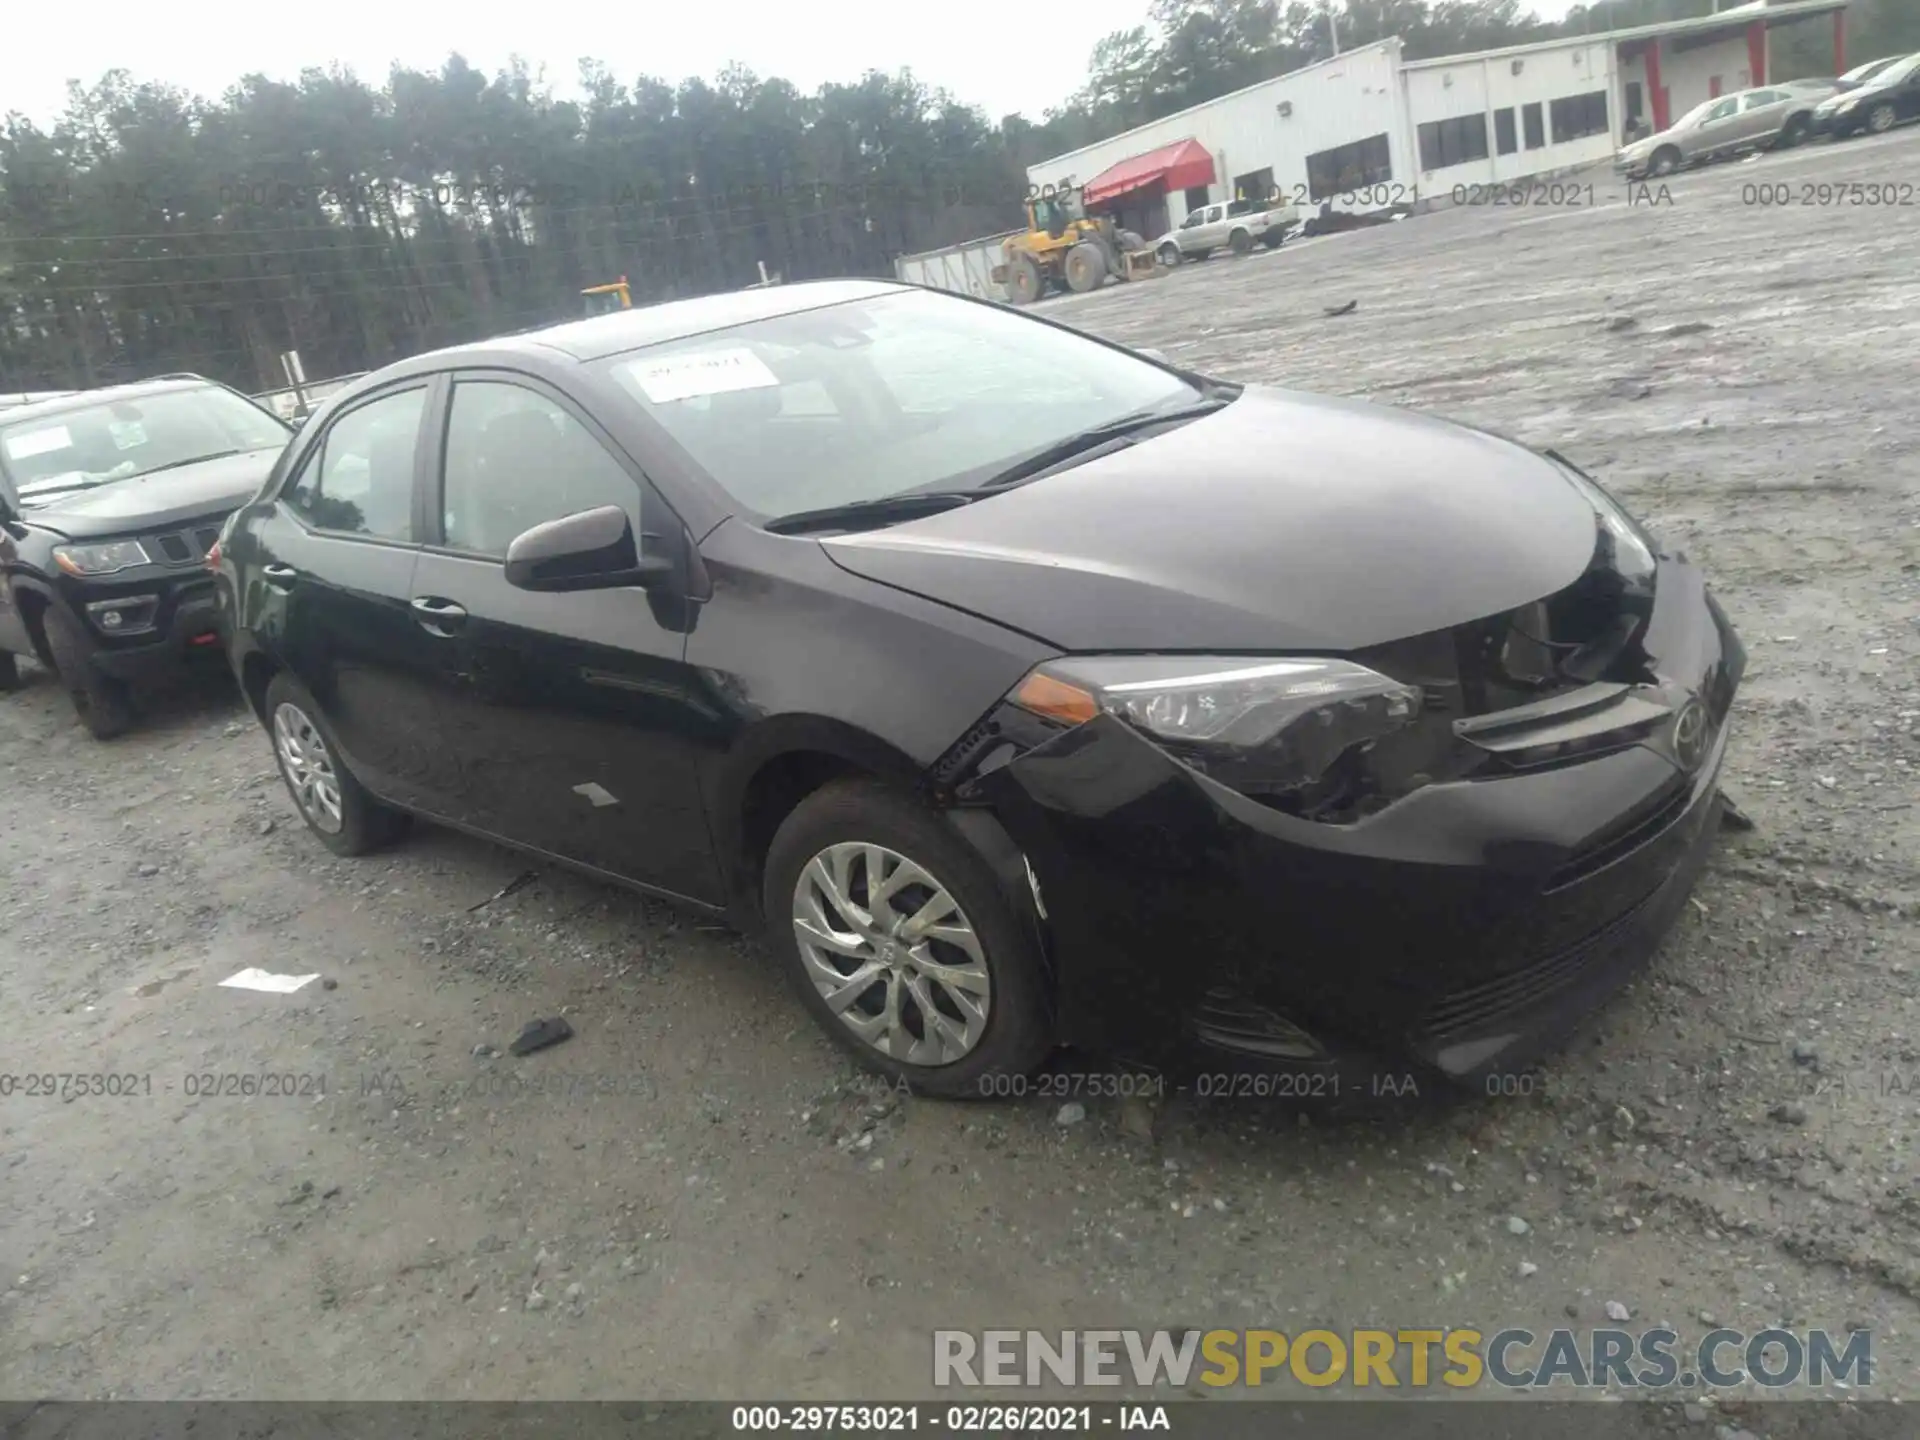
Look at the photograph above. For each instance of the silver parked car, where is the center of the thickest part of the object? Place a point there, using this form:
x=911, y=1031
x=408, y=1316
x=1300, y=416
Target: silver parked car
x=1768, y=115
x=1237, y=226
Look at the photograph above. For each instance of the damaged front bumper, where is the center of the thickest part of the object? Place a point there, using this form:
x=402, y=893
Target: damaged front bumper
x=1461, y=931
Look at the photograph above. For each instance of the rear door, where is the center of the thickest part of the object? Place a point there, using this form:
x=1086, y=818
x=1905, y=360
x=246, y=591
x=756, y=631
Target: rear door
x=328, y=588
x=1762, y=113
x=1719, y=129
x=572, y=719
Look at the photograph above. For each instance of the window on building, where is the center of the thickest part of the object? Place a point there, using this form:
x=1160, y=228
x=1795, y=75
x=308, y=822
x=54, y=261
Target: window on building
x=1578, y=116
x=1636, y=101
x=1255, y=188
x=1534, y=123
x=1347, y=168
x=1453, y=142
x=1505, y=140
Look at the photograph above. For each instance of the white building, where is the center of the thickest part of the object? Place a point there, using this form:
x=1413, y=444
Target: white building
x=1368, y=129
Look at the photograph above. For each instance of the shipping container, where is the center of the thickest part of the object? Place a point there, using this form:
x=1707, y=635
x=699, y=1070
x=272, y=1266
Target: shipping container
x=965, y=269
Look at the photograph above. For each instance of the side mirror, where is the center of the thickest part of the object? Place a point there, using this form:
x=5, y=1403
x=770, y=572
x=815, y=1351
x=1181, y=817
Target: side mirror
x=590, y=550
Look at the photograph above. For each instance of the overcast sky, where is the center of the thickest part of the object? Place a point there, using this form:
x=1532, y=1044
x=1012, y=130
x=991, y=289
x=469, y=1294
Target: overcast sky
x=207, y=44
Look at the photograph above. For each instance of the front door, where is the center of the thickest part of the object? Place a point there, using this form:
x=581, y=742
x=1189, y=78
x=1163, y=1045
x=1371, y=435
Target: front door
x=572, y=719
x=1720, y=127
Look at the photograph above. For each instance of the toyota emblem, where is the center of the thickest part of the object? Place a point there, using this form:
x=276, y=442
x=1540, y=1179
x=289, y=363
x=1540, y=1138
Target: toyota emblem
x=1690, y=734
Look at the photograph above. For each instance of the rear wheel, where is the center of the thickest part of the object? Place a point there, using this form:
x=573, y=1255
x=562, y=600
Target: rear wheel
x=1794, y=131
x=1086, y=267
x=100, y=700
x=1025, y=283
x=1240, y=242
x=902, y=944
x=336, y=806
x=1880, y=119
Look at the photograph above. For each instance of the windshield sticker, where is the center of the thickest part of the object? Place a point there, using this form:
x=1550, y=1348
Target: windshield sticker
x=716, y=372
x=127, y=434
x=39, y=442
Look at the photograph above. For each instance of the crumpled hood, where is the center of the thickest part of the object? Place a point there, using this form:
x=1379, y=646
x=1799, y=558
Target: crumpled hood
x=147, y=502
x=1283, y=522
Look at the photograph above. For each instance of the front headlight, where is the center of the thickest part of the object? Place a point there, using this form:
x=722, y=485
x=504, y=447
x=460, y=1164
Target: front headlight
x=1264, y=726
x=101, y=559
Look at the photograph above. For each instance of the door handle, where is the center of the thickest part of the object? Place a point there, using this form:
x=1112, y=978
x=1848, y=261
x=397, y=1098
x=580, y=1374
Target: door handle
x=441, y=617
x=280, y=577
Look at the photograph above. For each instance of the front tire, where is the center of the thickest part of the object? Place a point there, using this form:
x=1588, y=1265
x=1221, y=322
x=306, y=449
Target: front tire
x=1881, y=119
x=1169, y=255
x=100, y=700
x=336, y=806
x=1665, y=162
x=1025, y=283
x=902, y=944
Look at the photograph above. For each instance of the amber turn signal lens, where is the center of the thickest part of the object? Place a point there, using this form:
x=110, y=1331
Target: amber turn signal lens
x=1056, y=699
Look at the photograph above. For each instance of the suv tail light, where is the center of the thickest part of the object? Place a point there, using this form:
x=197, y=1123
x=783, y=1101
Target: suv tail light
x=213, y=556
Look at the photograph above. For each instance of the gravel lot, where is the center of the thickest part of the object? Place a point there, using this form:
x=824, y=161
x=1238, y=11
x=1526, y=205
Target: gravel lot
x=697, y=1197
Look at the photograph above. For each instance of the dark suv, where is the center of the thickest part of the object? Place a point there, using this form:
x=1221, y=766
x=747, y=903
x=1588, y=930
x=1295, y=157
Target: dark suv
x=109, y=502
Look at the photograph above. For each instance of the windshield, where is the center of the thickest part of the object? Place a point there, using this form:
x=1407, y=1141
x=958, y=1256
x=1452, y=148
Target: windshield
x=873, y=398
x=118, y=439
x=1895, y=73
x=1696, y=114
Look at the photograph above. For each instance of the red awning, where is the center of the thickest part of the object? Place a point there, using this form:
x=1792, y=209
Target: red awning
x=1178, y=167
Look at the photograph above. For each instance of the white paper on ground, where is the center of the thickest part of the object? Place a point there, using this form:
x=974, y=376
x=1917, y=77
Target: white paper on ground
x=251, y=979
x=714, y=372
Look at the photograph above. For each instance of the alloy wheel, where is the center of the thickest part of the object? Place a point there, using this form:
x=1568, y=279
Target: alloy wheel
x=892, y=953
x=1881, y=120
x=308, y=766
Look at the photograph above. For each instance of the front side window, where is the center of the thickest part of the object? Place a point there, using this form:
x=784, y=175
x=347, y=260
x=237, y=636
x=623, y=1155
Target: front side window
x=514, y=460
x=91, y=445
x=873, y=398
x=359, y=480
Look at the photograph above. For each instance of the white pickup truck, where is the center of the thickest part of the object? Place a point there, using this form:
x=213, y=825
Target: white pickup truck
x=1237, y=225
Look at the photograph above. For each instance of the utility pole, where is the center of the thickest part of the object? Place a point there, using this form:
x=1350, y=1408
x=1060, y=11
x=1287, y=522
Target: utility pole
x=1333, y=27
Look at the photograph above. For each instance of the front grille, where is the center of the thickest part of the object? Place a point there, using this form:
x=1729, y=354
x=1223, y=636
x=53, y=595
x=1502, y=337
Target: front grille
x=184, y=547
x=1487, y=1003
x=1637, y=830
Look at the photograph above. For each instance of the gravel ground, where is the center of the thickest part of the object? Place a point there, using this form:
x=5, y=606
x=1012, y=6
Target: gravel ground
x=697, y=1197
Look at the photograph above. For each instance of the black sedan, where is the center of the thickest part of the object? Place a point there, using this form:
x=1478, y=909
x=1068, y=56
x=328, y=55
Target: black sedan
x=1019, y=687
x=1890, y=97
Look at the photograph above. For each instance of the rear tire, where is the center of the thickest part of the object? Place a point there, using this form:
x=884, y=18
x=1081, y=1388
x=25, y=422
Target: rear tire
x=1025, y=283
x=1086, y=267
x=984, y=983
x=1794, y=131
x=100, y=700
x=1240, y=242
x=336, y=806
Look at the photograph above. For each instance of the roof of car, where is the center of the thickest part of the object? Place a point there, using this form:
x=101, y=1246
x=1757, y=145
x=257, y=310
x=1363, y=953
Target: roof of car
x=624, y=330
x=80, y=399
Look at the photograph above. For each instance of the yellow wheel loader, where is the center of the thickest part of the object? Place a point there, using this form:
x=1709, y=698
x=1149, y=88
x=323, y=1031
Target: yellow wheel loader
x=1063, y=247
x=603, y=299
